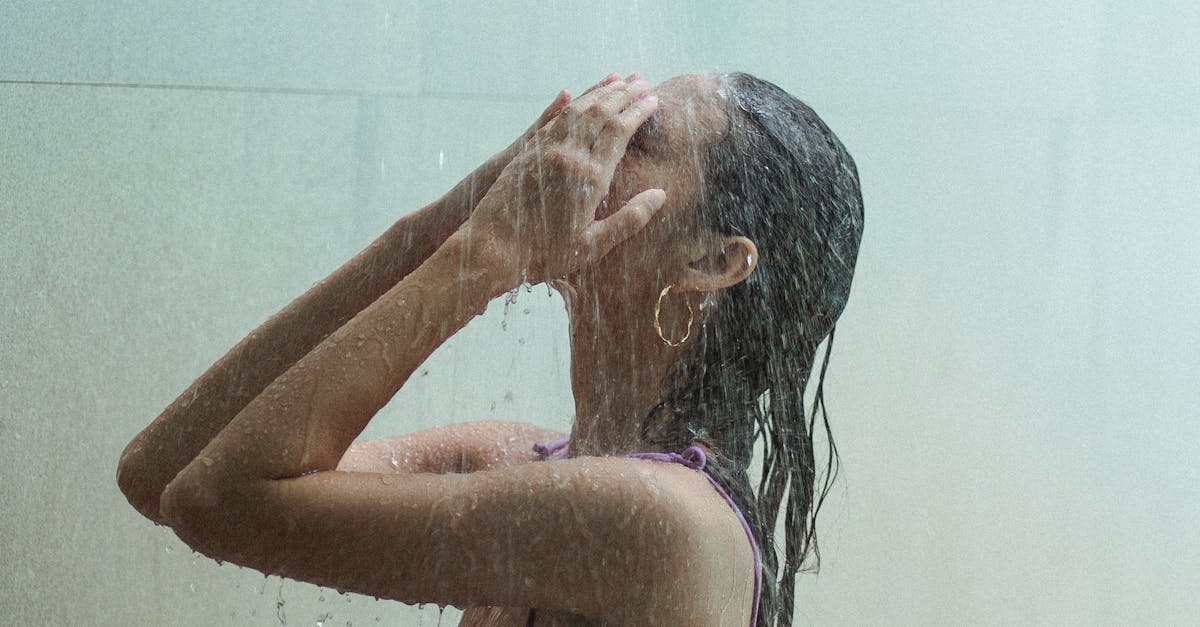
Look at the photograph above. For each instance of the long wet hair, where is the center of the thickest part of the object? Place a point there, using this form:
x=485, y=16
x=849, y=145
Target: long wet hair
x=781, y=178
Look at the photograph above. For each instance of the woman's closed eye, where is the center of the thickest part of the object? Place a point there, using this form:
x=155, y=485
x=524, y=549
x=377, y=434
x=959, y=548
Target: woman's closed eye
x=647, y=135
x=637, y=143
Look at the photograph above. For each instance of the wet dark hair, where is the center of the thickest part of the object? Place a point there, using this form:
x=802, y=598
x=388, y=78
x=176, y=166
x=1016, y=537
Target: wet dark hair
x=781, y=178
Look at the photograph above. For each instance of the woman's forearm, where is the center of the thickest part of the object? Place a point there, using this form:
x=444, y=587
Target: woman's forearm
x=307, y=417
x=159, y=452
x=176, y=436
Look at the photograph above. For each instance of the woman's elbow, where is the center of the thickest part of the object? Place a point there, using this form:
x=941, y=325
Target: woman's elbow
x=190, y=510
x=209, y=514
x=189, y=500
x=133, y=479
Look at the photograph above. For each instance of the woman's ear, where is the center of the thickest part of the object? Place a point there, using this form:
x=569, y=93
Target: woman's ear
x=720, y=262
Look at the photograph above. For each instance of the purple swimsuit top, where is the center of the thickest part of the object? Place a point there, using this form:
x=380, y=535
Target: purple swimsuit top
x=692, y=457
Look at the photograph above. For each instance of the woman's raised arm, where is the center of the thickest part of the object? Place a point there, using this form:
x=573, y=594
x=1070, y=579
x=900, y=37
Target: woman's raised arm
x=265, y=491
x=538, y=220
x=187, y=425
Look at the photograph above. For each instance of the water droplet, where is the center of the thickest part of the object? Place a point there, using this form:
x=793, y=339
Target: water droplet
x=322, y=618
x=279, y=603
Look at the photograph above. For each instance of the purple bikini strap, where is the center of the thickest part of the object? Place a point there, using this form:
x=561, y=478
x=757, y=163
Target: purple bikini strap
x=554, y=450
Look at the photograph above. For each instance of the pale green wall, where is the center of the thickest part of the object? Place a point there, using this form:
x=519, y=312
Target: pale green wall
x=1013, y=386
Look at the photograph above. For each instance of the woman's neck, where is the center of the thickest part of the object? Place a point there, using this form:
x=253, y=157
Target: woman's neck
x=618, y=370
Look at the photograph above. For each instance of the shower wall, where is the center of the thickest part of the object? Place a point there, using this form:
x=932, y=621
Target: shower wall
x=1012, y=384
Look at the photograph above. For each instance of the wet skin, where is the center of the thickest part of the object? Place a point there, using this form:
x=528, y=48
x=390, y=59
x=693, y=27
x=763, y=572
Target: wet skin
x=282, y=488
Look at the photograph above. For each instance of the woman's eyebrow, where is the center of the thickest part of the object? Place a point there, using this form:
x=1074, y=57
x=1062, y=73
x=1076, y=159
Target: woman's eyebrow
x=649, y=130
x=651, y=127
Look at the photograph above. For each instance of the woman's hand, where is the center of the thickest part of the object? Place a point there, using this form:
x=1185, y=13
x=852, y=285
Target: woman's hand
x=539, y=216
x=464, y=197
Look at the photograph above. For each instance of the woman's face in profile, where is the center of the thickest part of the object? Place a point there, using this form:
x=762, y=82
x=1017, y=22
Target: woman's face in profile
x=667, y=152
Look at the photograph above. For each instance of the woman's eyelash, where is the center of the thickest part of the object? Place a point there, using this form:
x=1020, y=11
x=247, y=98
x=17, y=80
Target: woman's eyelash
x=640, y=139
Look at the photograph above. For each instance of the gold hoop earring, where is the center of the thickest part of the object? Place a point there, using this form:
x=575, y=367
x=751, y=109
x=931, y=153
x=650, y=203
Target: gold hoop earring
x=658, y=327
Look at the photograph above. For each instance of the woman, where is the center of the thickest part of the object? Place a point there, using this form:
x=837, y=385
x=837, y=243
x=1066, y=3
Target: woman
x=703, y=234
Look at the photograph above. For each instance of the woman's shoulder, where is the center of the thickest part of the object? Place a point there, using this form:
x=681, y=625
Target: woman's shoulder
x=651, y=542
x=614, y=538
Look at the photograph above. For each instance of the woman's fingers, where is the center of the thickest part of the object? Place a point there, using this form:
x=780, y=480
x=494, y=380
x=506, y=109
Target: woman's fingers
x=607, y=80
x=618, y=99
x=564, y=98
x=555, y=107
x=609, y=99
x=602, y=236
x=584, y=120
x=611, y=145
